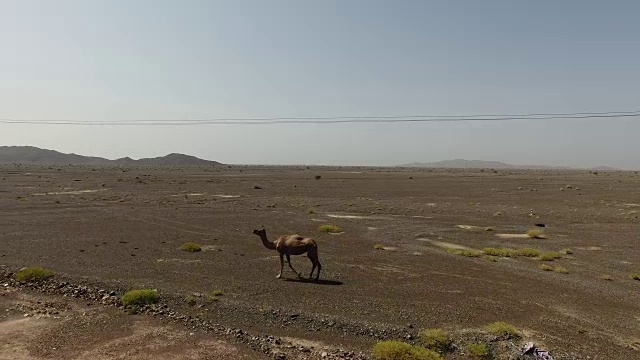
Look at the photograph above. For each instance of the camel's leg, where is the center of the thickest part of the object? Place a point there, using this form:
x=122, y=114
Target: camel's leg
x=294, y=270
x=319, y=267
x=313, y=262
x=313, y=255
x=281, y=267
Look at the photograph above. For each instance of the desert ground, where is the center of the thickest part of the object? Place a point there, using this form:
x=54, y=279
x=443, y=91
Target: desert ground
x=398, y=266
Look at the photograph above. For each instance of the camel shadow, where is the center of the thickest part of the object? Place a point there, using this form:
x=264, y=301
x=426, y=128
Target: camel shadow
x=317, y=282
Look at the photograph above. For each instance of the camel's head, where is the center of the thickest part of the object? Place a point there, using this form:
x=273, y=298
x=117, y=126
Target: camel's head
x=260, y=232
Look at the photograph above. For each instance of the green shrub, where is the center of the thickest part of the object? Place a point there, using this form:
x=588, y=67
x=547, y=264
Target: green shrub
x=635, y=276
x=190, y=247
x=398, y=350
x=329, y=228
x=140, y=297
x=500, y=252
x=478, y=350
x=33, y=274
x=378, y=246
x=435, y=339
x=546, y=267
x=502, y=330
x=567, y=251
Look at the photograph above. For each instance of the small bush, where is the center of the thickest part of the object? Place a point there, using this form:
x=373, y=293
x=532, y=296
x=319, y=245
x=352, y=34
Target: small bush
x=435, y=339
x=398, y=350
x=567, y=251
x=478, y=350
x=33, y=274
x=140, y=297
x=311, y=211
x=490, y=258
x=502, y=330
x=378, y=246
x=535, y=234
x=488, y=228
x=329, y=228
x=635, y=276
x=190, y=247
x=318, y=177
x=501, y=252
x=548, y=256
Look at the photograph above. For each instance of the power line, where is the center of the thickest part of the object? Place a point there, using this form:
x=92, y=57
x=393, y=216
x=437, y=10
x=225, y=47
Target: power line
x=331, y=120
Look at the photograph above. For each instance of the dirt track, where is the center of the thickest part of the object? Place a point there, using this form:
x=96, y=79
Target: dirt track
x=123, y=228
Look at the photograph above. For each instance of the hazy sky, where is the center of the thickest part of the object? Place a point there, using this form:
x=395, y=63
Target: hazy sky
x=110, y=60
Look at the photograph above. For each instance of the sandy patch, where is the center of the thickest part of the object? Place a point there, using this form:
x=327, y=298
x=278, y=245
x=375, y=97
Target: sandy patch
x=76, y=192
x=513, y=236
x=358, y=217
x=443, y=244
x=590, y=248
x=178, y=261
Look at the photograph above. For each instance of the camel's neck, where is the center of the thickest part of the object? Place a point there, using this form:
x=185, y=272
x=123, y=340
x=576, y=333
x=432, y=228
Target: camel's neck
x=268, y=244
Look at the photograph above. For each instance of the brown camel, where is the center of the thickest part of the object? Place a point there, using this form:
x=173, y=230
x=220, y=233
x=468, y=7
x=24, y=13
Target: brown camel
x=288, y=245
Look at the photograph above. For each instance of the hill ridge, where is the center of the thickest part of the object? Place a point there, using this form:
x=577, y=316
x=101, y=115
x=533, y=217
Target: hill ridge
x=479, y=164
x=35, y=155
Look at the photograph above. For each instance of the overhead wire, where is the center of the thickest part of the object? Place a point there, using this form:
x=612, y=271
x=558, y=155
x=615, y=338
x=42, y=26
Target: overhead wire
x=329, y=120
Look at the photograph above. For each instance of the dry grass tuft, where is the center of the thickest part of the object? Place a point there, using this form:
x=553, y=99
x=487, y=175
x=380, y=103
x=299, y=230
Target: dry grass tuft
x=558, y=269
x=536, y=234
x=328, y=228
x=465, y=252
x=435, y=339
x=33, y=274
x=549, y=256
x=529, y=252
x=214, y=295
x=398, y=350
x=190, y=247
x=500, y=252
x=479, y=351
x=502, y=330
x=140, y=297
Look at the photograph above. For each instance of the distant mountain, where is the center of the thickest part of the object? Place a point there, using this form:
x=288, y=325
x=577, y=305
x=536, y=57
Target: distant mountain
x=481, y=164
x=34, y=155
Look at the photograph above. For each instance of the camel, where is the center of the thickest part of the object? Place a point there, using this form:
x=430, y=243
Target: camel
x=288, y=245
